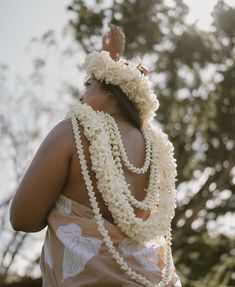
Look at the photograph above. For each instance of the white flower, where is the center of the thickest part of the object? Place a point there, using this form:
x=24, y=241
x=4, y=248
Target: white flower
x=136, y=85
x=114, y=189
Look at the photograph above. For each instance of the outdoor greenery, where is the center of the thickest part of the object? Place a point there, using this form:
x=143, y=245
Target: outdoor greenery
x=194, y=75
x=193, y=72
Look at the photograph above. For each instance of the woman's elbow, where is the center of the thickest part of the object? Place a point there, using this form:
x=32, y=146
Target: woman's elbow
x=15, y=225
x=18, y=224
x=22, y=219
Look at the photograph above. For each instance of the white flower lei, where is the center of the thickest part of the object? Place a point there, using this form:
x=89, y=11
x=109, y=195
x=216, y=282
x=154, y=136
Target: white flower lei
x=107, y=178
x=125, y=74
x=150, y=201
x=109, y=181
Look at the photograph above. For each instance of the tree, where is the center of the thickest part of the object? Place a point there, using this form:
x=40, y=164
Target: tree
x=30, y=106
x=193, y=73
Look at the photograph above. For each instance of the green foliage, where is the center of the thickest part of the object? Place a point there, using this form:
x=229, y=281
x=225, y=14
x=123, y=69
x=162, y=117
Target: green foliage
x=194, y=76
x=200, y=250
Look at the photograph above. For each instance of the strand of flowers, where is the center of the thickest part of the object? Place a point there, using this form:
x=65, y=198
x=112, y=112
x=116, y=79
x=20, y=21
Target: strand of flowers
x=108, y=181
x=117, y=140
x=101, y=227
x=152, y=197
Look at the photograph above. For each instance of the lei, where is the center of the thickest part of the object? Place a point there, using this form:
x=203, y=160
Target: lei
x=109, y=182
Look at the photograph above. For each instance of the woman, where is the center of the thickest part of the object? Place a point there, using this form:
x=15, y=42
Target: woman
x=108, y=214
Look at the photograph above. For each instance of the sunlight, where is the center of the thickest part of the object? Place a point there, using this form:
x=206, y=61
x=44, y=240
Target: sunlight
x=200, y=12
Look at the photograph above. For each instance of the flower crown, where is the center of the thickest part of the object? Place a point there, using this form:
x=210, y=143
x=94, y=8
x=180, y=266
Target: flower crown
x=130, y=76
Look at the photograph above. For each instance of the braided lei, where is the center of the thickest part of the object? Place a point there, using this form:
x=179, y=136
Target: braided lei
x=113, y=188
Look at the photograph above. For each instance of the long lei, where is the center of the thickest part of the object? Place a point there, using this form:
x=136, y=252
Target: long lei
x=113, y=188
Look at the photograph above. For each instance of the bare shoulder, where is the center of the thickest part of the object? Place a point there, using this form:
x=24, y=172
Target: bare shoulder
x=63, y=130
x=43, y=180
x=65, y=133
x=62, y=134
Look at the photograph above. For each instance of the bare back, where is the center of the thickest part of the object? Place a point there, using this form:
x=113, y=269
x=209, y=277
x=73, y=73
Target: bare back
x=134, y=144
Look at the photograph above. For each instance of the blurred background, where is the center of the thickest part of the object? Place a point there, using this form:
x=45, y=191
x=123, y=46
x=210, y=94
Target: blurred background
x=189, y=47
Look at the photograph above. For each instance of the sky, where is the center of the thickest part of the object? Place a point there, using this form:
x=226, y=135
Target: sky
x=20, y=21
x=200, y=11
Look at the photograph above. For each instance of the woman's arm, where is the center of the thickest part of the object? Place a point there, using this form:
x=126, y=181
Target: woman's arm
x=43, y=180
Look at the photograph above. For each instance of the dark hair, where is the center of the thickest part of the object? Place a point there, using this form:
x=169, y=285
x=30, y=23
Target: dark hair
x=125, y=105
